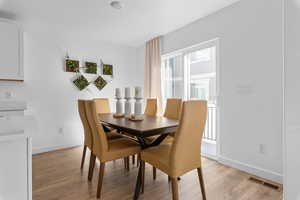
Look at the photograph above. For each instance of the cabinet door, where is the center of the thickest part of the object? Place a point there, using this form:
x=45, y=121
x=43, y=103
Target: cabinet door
x=14, y=170
x=10, y=51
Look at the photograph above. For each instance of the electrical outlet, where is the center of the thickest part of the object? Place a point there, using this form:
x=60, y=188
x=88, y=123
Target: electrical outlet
x=262, y=148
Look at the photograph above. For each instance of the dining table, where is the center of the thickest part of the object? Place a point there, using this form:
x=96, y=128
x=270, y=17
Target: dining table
x=139, y=131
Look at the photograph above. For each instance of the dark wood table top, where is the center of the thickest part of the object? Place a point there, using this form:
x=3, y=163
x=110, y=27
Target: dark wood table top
x=151, y=125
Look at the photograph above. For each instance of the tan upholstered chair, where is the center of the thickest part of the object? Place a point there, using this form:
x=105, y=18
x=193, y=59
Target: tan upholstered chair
x=173, y=111
x=151, y=107
x=102, y=105
x=184, y=154
x=151, y=110
x=88, y=138
x=173, y=108
x=106, y=150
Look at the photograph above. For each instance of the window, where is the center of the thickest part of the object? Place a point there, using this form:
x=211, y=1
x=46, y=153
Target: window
x=173, y=78
x=190, y=74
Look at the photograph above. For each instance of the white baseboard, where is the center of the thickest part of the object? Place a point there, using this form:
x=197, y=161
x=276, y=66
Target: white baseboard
x=206, y=155
x=37, y=150
x=263, y=173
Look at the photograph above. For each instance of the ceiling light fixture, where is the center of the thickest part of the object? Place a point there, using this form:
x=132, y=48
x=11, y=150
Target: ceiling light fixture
x=116, y=4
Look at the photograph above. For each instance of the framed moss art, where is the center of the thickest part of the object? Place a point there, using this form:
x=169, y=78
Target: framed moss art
x=107, y=69
x=100, y=83
x=72, y=65
x=90, y=68
x=81, y=82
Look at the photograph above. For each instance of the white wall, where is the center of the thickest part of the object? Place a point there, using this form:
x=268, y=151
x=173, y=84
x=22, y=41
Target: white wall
x=49, y=91
x=250, y=34
x=292, y=99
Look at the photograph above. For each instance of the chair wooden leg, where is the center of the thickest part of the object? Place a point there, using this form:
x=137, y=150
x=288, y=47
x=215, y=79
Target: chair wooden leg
x=100, y=181
x=138, y=160
x=174, y=188
x=201, y=181
x=128, y=163
x=92, y=166
x=143, y=165
x=125, y=163
x=83, y=157
x=154, y=173
x=133, y=159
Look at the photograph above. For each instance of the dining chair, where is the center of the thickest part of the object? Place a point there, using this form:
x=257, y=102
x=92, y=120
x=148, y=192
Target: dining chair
x=150, y=110
x=106, y=150
x=184, y=155
x=103, y=107
x=88, y=138
x=172, y=111
x=151, y=107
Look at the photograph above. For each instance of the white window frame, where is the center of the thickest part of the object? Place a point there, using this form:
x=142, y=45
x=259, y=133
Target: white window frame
x=208, y=44
x=185, y=51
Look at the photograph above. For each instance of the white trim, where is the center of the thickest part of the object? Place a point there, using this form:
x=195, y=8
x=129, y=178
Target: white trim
x=202, y=45
x=218, y=107
x=206, y=155
x=266, y=174
x=38, y=150
x=29, y=168
x=284, y=142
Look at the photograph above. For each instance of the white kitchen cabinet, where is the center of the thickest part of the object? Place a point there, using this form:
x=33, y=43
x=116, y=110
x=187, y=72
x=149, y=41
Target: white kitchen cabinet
x=15, y=155
x=15, y=152
x=11, y=51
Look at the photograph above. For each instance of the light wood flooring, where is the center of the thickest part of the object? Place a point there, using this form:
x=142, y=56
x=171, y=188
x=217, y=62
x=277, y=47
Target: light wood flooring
x=57, y=176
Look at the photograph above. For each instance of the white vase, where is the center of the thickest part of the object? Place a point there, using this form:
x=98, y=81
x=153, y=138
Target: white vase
x=138, y=108
x=119, y=106
x=128, y=107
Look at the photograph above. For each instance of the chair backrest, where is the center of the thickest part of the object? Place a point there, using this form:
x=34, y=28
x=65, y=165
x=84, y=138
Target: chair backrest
x=186, y=148
x=102, y=105
x=151, y=107
x=100, y=144
x=173, y=108
x=88, y=137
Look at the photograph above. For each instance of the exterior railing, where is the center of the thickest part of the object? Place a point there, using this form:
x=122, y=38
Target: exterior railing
x=210, y=132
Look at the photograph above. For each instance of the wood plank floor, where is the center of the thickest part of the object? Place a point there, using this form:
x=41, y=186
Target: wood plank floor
x=56, y=176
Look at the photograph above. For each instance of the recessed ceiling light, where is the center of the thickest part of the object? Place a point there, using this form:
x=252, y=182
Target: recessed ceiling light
x=116, y=4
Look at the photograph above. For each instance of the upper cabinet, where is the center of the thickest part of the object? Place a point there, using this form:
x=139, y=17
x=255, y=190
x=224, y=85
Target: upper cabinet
x=11, y=51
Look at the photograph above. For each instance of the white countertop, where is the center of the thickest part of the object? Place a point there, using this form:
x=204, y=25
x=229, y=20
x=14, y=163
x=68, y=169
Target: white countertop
x=10, y=105
x=17, y=126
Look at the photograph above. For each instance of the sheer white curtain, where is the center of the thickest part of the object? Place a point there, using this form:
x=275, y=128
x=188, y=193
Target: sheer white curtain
x=153, y=71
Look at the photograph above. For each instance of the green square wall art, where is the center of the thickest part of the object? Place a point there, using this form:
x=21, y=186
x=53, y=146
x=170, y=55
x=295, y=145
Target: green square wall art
x=107, y=69
x=90, y=68
x=72, y=65
x=81, y=82
x=100, y=83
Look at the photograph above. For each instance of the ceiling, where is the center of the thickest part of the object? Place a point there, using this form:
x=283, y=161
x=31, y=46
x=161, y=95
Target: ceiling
x=137, y=22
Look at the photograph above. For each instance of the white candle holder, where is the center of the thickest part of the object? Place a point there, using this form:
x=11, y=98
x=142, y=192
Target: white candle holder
x=128, y=107
x=138, y=108
x=119, y=104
